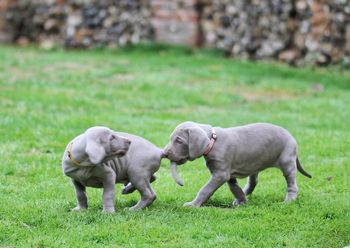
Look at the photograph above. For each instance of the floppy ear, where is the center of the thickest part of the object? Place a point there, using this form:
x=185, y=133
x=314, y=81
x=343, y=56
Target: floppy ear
x=197, y=142
x=95, y=152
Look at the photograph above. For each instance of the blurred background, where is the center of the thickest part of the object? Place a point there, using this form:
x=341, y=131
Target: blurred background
x=299, y=32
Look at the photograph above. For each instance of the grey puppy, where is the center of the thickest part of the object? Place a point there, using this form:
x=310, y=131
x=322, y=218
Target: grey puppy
x=236, y=152
x=101, y=157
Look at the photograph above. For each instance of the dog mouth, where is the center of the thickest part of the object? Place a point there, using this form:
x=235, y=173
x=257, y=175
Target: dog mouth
x=181, y=161
x=121, y=153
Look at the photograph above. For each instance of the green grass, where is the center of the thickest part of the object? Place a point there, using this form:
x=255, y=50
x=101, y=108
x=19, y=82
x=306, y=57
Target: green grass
x=47, y=98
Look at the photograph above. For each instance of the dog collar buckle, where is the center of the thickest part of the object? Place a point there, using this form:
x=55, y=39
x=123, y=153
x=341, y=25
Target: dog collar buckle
x=69, y=153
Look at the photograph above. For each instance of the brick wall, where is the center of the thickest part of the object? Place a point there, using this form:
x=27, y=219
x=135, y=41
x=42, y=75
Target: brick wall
x=176, y=22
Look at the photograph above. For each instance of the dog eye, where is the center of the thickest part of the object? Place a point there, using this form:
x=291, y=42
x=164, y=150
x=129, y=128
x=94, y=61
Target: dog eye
x=113, y=137
x=178, y=140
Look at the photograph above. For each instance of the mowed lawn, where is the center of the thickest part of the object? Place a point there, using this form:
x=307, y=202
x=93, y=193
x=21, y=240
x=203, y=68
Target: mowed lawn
x=47, y=98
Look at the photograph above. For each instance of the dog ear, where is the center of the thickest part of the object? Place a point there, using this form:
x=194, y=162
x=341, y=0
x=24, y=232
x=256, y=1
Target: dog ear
x=197, y=142
x=95, y=151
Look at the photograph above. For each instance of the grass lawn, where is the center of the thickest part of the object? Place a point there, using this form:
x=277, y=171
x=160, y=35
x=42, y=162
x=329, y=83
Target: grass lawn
x=47, y=98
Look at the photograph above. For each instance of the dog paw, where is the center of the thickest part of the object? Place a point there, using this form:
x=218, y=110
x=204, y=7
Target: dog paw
x=134, y=208
x=108, y=210
x=239, y=202
x=78, y=209
x=290, y=198
x=191, y=205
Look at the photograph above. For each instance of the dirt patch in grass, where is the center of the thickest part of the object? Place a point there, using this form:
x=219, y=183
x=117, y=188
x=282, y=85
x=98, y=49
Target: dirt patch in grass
x=6, y=102
x=7, y=88
x=18, y=74
x=69, y=66
x=201, y=81
x=117, y=78
x=251, y=94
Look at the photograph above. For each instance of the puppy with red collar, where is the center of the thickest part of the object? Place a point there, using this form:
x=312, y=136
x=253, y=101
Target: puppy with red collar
x=236, y=152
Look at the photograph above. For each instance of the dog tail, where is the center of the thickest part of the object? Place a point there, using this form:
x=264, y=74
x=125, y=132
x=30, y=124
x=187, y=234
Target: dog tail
x=301, y=170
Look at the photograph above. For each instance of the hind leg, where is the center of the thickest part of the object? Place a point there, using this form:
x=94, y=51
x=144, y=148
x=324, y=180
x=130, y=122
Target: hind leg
x=129, y=188
x=142, y=184
x=237, y=192
x=250, y=186
x=80, y=192
x=289, y=170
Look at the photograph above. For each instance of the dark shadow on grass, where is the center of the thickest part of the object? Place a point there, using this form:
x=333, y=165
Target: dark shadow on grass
x=258, y=201
x=253, y=200
x=219, y=203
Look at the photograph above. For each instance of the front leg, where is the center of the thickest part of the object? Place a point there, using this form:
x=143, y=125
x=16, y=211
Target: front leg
x=81, y=196
x=108, y=196
x=218, y=178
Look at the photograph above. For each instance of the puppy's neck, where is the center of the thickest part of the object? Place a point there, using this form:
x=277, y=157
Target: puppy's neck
x=207, y=129
x=77, y=150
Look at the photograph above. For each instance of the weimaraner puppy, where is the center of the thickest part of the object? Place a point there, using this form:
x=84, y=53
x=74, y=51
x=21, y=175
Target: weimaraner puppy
x=101, y=157
x=236, y=152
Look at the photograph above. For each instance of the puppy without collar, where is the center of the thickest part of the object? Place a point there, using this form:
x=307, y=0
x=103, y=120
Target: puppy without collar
x=101, y=157
x=236, y=152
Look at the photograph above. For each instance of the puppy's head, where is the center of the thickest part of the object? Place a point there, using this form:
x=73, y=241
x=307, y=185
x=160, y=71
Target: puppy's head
x=187, y=142
x=103, y=143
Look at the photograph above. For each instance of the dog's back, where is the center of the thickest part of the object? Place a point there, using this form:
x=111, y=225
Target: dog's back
x=142, y=154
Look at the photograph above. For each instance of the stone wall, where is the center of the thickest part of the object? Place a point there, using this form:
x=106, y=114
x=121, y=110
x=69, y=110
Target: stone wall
x=248, y=29
x=294, y=31
x=322, y=34
x=4, y=34
x=79, y=23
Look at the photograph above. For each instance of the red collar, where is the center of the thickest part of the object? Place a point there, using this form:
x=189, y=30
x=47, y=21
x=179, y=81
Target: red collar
x=212, y=142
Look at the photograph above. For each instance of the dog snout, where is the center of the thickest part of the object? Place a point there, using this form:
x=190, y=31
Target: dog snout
x=165, y=151
x=168, y=153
